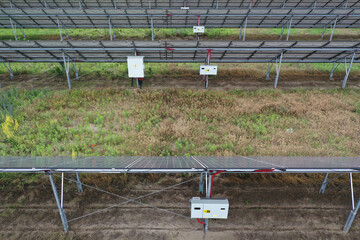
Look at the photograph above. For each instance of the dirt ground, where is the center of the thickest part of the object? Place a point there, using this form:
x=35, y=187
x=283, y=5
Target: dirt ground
x=260, y=208
x=287, y=80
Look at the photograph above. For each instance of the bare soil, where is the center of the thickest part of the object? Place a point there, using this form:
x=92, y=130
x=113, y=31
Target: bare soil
x=247, y=81
x=261, y=207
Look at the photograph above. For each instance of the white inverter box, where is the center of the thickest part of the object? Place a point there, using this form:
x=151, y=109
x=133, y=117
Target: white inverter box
x=209, y=208
x=208, y=70
x=198, y=29
x=136, y=66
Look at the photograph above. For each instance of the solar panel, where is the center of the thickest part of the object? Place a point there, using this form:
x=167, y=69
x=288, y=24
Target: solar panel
x=164, y=18
x=179, y=164
x=179, y=3
x=179, y=51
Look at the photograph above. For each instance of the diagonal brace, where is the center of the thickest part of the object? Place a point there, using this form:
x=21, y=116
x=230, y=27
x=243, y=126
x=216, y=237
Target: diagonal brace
x=67, y=68
x=326, y=182
x=347, y=70
x=61, y=210
x=277, y=68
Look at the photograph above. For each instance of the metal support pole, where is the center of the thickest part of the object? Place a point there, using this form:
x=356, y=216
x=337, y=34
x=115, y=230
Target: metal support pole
x=289, y=28
x=278, y=67
x=201, y=183
x=324, y=184
x=78, y=183
x=67, y=68
x=333, y=29
x=13, y=26
x=352, y=192
x=152, y=30
x=245, y=25
x=323, y=32
x=61, y=210
x=8, y=67
x=62, y=191
x=23, y=32
x=314, y=4
x=206, y=227
x=354, y=210
x=334, y=67
x=268, y=71
x=58, y=22
x=75, y=70
x=110, y=30
x=347, y=70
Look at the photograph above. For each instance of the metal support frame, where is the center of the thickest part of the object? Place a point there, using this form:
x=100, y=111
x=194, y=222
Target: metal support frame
x=354, y=210
x=75, y=70
x=268, y=71
x=277, y=68
x=152, y=29
x=325, y=182
x=332, y=26
x=208, y=189
x=201, y=183
x=78, y=183
x=347, y=70
x=60, y=26
x=243, y=26
x=288, y=27
x=334, y=67
x=61, y=210
x=8, y=67
x=111, y=30
x=67, y=68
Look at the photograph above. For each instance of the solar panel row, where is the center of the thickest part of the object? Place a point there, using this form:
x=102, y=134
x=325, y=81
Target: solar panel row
x=180, y=3
x=179, y=51
x=216, y=18
x=179, y=164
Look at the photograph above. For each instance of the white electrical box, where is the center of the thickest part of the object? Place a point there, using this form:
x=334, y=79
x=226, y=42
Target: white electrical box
x=136, y=66
x=208, y=70
x=209, y=208
x=198, y=29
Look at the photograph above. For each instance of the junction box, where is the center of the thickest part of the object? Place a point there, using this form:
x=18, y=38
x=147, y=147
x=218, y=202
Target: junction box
x=208, y=70
x=209, y=208
x=136, y=66
x=198, y=29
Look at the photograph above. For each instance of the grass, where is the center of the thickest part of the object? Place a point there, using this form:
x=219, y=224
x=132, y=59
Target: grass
x=184, y=122
x=161, y=33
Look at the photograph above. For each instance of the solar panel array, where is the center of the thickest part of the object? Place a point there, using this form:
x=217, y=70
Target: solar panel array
x=178, y=51
x=159, y=18
x=179, y=164
x=179, y=3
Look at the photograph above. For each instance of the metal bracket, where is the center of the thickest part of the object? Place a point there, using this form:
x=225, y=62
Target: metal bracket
x=61, y=210
x=334, y=67
x=78, y=183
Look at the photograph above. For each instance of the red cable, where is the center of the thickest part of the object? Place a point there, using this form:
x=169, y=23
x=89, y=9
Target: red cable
x=212, y=179
x=200, y=221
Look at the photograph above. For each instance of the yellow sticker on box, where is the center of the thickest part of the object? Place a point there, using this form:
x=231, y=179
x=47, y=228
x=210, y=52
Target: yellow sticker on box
x=206, y=211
